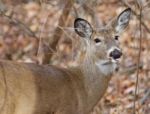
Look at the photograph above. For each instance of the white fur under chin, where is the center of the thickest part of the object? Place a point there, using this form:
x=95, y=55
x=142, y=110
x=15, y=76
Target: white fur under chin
x=106, y=68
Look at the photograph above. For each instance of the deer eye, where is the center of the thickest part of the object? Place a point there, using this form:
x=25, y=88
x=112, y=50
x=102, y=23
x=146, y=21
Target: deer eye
x=116, y=37
x=97, y=40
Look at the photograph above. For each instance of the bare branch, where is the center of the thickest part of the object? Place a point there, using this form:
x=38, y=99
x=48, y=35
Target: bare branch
x=20, y=24
x=58, y=32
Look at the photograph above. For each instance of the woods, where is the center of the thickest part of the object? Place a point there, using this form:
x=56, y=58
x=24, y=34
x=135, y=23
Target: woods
x=41, y=32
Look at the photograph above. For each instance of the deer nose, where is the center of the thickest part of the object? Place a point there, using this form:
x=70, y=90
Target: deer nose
x=115, y=54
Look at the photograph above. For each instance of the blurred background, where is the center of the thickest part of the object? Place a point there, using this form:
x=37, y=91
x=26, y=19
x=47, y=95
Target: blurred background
x=41, y=32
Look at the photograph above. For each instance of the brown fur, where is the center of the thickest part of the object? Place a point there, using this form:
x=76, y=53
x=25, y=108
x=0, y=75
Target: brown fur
x=38, y=89
x=33, y=89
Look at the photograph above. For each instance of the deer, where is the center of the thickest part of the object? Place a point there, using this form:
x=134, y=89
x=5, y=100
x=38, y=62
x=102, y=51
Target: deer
x=28, y=88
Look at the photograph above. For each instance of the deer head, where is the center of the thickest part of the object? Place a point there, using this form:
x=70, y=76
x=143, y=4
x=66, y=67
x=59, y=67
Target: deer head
x=103, y=44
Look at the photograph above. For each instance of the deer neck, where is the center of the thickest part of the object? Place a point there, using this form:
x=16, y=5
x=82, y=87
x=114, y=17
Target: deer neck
x=96, y=80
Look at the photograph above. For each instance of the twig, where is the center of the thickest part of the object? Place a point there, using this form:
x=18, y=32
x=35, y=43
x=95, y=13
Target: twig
x=62, y=28
x=139, y=56
x=42, y=46
x=20, y=24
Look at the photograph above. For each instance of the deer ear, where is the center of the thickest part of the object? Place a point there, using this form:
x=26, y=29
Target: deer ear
x=83, y=28
x=123, y=20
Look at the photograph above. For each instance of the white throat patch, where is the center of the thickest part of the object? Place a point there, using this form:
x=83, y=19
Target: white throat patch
x=106, y=69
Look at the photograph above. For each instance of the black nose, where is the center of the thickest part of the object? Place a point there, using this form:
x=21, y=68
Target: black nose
x=115, y=54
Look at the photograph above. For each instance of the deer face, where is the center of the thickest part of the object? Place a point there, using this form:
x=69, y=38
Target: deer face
x=105, y=41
